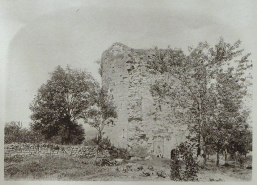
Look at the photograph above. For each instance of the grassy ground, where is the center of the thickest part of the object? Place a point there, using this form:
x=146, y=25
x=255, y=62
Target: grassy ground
x=60, y=168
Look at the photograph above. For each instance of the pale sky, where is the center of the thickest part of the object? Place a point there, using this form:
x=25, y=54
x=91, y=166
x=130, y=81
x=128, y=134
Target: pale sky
x=37, y=35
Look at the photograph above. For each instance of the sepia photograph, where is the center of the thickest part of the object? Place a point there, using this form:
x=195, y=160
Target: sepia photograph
x=125, y=91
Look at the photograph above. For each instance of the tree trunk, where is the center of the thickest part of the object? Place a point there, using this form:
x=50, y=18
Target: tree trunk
x=99, y=137
x=226, y=156
x=218, y=158
x=69, y=137
x=200, y=125
x=96, y=154
x=204, y=151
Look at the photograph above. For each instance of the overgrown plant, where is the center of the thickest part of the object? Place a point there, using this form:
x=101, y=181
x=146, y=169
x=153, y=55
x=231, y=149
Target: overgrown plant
x=207, y=87
x=183, y=155
x=100, y=114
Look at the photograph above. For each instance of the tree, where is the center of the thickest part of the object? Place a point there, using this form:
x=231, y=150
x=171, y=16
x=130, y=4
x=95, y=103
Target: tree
x=227, y=117
x=101, y=113
x=195, y=79
x=61, y=102
x=13, y=132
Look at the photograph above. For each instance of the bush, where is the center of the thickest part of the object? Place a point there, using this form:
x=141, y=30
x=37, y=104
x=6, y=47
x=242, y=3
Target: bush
x=104, y=144
x=161, y=173
x=118, y=153
x=90, y=142
x=14, y=133
x=183, y=154
x=104, y=162
x=139, y=151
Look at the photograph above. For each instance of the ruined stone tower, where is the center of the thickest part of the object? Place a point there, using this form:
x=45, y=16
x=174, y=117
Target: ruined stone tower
x=124, y=73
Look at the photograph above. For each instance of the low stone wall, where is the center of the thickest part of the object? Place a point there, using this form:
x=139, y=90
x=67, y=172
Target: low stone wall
x=43, y=149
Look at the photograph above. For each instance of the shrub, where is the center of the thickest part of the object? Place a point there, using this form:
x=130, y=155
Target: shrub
x=146, y=173
x=139, y=151
x=90, y=142
x=140, y=168
x=161, y=173
x=150, y=168
x=183, y=154
x=118, y=153
x=104, y=162
x=104, y=144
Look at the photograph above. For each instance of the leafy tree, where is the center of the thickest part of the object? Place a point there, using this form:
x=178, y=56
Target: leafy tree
x=227, y=118
x=193, y=81
x=61, y=102
x=13, y=132
x=101, y=113
x=76, y=131
x=183, y=153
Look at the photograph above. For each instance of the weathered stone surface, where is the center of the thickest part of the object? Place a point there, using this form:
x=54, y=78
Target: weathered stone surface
x=135, y=158
x=146, y=173
x=119, y=161
x=141, y=120
x=161, y=173
x=73, y=151
x=149, y=158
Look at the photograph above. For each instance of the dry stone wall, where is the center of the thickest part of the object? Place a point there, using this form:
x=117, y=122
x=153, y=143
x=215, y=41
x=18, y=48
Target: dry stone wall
x=124, y=73
x=42, y=149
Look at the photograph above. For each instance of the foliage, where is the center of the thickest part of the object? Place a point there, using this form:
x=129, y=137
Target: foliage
x=161, y=173
x=118, y=153
x=183, y=154
x=90, y=142
x=139, y=151
x=207, y=87
x=76, y=131
x=241, y=142
x=14, y=133
x=60, y=102
x=100, y=114
x=105, y=144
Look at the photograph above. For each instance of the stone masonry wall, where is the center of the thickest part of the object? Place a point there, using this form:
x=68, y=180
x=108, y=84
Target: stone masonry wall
x=126, y=76
x=29, y=149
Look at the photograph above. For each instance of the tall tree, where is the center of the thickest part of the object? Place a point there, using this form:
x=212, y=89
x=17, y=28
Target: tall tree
x=101, y=113
x=228, y=117
x=195, y=78
x=61, y=102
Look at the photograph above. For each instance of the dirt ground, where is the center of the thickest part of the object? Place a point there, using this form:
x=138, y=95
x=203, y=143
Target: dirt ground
x=59, y=168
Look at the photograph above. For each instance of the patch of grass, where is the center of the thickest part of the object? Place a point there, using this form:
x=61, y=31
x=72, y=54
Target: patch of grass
x=155, y=162
x=13, y=159
x=23, y=170
x=139, y=151
x=58, y=168
x=67, y=168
